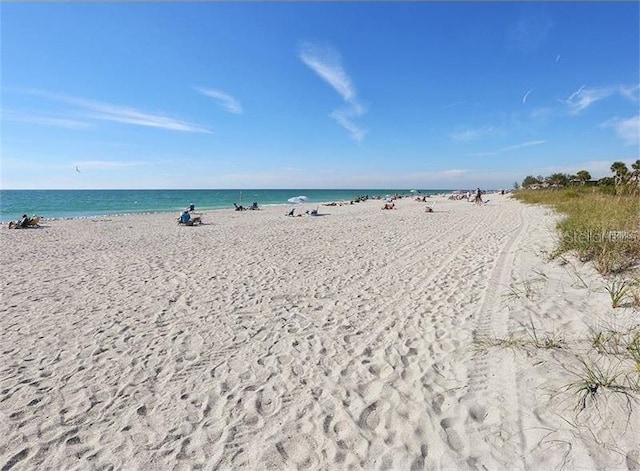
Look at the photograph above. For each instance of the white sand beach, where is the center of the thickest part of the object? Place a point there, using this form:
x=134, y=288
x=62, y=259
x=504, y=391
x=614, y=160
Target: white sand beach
x=360, y=339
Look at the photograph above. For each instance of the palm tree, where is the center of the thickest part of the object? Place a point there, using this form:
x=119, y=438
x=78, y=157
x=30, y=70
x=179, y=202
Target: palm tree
x=558, y=179
x=583, y=176
x=635, y=175
x=636, y=171
x=621, y=173
x=530, y=180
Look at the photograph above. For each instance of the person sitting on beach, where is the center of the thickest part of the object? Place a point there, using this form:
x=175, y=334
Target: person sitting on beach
x=254, y=206
x=23, y=223
x=389, y=206
x=238, y=208
x=290, y=213
x=34, y=221
x=185, y=218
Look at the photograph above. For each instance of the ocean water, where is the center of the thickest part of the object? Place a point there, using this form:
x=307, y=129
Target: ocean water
x=58, y=204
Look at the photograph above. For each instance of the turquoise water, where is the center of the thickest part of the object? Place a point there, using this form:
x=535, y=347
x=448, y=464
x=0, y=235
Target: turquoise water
x=55, y=204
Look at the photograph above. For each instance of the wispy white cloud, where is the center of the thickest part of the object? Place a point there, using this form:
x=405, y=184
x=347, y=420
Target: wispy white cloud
x=453, y=105
x=542, y=113
x=526, y=95
x=108, y=112
x=226, y=101
x=10, y=115
x=468, y=135
x=627, y=129
x=120, y=114
x=584, y=97
x=325, y=62
x=524, y=144
x=576, y=93
x=631, y=92
x=342, y=117
x=510, y=148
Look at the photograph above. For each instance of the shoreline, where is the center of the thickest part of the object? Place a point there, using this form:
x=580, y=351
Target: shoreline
x=361, y=339
x=92, y=203
x=211, y=209
x=159, y=212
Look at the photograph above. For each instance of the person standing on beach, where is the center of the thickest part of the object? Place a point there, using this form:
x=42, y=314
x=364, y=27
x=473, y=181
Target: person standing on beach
x=478, y=200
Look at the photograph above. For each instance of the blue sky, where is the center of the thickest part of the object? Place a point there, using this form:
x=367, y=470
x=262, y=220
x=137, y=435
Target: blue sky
x=315, y=94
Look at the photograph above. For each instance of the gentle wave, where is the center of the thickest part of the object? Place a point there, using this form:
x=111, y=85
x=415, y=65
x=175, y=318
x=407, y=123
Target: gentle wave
x=70, y=204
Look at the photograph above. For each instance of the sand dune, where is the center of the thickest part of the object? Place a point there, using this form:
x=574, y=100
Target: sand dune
x=362, y=339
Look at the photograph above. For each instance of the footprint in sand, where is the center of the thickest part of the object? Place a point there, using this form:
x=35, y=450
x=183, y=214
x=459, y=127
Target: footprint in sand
x=453, y=438
x=633, y=460
x=381, y=370
x=190, y=345
x=15, y=459
x=478, y=412
x=268, y=402
x=370, y=417
x=299, y=450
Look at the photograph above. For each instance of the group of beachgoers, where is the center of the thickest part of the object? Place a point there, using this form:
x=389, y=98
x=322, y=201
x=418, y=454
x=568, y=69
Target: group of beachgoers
x=311, y=212
x=253, y=207
x=188, y=217
x=475, y=197
x=25, y=222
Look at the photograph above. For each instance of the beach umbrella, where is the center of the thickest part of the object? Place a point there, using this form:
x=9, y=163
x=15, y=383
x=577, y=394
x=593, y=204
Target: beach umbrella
x=297, y=199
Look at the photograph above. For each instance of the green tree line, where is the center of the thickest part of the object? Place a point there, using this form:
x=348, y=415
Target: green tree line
x=623, y=179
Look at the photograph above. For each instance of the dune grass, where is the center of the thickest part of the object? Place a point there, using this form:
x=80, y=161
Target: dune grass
x=603, y=228
x=597, y=226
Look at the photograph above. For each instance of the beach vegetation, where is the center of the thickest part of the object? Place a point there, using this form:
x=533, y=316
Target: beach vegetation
x=525, y=288
x=531, y=339
x=572, y=271
x=621, y=343
x=599, y=227
x=583, y=176
x=558, y=179
x=530, y=181
x=623, y=180
x=599, y=223
x=595, y=378
x=619, y=291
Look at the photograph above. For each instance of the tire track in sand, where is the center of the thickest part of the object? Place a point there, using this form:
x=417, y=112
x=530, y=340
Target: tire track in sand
x=493, y=393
